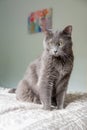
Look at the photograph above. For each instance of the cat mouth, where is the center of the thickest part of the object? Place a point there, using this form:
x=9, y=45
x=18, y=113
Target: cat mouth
x=56, y=54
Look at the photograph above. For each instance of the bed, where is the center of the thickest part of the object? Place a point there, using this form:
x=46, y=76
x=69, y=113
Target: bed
x=15, y=115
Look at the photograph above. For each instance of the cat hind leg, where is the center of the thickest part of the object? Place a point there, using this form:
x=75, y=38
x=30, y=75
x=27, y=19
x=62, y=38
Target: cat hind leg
x=25, y=93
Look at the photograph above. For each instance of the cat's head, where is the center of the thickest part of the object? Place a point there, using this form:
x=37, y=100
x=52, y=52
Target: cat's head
x=58, y=43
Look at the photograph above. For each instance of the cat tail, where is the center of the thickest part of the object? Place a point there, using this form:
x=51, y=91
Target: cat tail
x=12, y=90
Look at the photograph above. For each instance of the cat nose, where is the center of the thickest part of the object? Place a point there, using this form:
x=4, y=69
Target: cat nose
x=55, y=51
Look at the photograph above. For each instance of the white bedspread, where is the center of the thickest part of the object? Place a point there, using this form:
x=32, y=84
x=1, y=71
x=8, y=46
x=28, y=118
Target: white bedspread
x=15, y=115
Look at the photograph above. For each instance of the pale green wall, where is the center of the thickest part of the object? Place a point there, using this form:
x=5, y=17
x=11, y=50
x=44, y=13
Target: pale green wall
x=18, y=48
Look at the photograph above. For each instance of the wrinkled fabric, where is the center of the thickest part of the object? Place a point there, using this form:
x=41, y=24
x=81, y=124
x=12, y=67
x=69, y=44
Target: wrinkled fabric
x=15, y=115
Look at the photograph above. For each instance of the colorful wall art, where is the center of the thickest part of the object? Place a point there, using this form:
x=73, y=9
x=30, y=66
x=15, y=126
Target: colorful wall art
x=40, y=18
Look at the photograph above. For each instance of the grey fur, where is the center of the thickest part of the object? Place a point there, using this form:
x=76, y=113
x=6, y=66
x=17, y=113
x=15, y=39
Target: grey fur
x=46, y=79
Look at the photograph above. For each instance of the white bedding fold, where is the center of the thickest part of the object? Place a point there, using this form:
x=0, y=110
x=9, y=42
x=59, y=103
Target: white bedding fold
x=15, y=115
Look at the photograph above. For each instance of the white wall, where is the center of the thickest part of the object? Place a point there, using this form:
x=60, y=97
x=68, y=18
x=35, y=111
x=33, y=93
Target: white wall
x=18, y=48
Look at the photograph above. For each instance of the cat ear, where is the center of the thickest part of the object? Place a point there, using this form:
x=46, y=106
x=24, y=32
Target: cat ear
x=46, y=31
x=68, y=30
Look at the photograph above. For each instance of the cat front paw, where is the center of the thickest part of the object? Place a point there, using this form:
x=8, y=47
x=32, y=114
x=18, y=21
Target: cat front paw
x=60, y=107
x=47, y=108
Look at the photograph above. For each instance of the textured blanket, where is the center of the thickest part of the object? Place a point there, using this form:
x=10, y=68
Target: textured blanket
x=15, y=115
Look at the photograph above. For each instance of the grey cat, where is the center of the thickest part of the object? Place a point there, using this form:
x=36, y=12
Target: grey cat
x=46, y=79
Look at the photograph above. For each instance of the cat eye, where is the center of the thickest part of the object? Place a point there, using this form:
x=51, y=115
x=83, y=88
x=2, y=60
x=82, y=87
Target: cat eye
x=60, y=43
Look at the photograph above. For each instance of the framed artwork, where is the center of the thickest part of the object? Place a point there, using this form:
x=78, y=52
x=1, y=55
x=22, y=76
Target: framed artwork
x=40, y=18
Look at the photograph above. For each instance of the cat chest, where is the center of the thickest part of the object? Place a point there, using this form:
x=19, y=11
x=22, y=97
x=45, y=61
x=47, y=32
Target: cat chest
x=55, y=75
